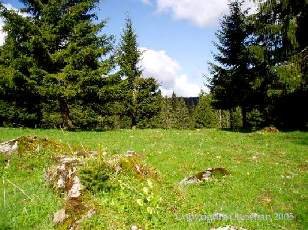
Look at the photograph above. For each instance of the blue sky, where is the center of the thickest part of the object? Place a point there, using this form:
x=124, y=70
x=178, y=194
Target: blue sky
x=186, y=43
x=176, y=37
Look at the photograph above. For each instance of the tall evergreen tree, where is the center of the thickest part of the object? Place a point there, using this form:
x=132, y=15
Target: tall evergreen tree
x=231, y=81
x=143, y=98
x=280, y=60
x=128, y=58
x=21, y=75
x=64, y=51
x=183, y=117
x=129, y=54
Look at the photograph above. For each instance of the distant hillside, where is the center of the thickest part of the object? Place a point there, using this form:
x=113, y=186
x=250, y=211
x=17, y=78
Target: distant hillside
x=191, y=102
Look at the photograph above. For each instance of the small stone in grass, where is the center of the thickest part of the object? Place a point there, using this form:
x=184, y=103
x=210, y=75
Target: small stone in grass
x=130, y=153
x=228, y=227
x=204, y=176
x=59, y=216
x=9, y=147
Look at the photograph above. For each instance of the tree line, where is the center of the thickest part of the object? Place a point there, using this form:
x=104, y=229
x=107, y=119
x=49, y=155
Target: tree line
x=59, y=69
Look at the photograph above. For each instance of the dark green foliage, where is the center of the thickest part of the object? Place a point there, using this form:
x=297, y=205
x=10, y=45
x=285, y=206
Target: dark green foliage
x=113, y=97
x=95, y=176
x=184, y=120
x=57, y=70
x=231, y=81
x=142, y=97
x=166, y=117
x=148, y=102
x=20, y=75
x=175, y=114
x=191, y=102
x=76, y=50
x=235, y=118
x=55, y=64
x=129, y=54
x=262, y=64
x=54, y=71
x=255, y=119
x=280, y=26
x=127, y=59
x=205, y=115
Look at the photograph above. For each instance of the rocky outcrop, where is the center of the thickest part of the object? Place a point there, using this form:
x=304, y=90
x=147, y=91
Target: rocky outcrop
x=64, y=179
x=63, y=176
x=28, y=144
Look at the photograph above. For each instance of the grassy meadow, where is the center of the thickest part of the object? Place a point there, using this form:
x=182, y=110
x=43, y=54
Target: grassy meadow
x=268, y=181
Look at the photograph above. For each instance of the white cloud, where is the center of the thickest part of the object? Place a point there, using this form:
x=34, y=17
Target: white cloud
x=200, y=12
x=148, y=2
x=167, y=72
x=159, y=65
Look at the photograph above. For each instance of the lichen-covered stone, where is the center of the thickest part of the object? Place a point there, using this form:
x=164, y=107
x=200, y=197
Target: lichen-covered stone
x=59, y=216
x=9, y=147
x=204, y=176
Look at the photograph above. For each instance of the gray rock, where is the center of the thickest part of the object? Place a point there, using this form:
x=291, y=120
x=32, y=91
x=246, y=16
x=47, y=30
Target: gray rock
x=9, y=147
x=228, y=227
x=63, y=177
x=204, y=176
x=59, y=216
x=189, y=180
x=75, y=190
x=130, y=153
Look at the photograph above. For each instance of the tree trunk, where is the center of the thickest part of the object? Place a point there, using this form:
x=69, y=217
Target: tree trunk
x=65, y=113
x=231, y=112
x=220, y=119
x=134, y=105
x=244, y=117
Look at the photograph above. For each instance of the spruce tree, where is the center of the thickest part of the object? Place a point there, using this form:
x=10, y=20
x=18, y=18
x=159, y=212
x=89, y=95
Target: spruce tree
x=280, y=53
x=204, y=114
x=175, y=114
x=231, y=80
x=183, y=117
x=21, y=73
x=62, y=55
x=148, y=102
x=142, y=94
x=129, y=55
x=166, y=116
x=128, y=58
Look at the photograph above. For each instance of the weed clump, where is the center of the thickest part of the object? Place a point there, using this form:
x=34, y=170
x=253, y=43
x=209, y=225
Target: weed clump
x=101, y=174
x=134, y=165
x=95, y=176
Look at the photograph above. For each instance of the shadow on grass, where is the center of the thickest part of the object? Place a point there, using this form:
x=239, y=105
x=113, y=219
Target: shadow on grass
x=295, y=136
x=238, y=130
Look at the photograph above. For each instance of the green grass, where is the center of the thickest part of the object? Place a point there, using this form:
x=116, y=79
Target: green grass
x=268, y=177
